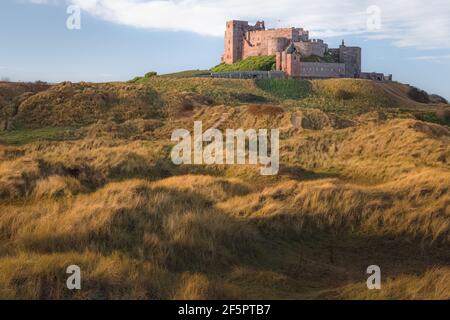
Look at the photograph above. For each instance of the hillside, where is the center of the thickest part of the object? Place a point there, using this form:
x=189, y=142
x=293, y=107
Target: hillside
x=256, y=63
x=86, y=179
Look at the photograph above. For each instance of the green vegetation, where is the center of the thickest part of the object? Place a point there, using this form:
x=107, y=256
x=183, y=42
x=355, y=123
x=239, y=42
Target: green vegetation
x=188, y=74
x=434, y=98
x=434, y=117
x=261, y=63
x=418, y=95
x=24, y=136
x=146, y=76
x=285, y=88
x=343, y=95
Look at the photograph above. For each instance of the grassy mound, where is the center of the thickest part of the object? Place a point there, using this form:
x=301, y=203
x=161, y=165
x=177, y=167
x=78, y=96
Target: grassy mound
x=261, y=63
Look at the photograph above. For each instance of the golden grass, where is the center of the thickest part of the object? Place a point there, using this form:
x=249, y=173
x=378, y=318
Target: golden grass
x=43, y=276
x=57, y=186
x=432, y=285
x=352, y=191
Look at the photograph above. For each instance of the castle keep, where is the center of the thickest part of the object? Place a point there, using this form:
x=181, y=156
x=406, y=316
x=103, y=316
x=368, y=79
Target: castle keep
x=297, y=55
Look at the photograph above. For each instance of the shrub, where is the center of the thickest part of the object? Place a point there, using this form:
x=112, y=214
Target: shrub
x=341, y=94
x=444, y=115
x=434, y=98
x=264, y=110
x=186, y=105
x=150, y=74
x=248, y=98
x=418, y=95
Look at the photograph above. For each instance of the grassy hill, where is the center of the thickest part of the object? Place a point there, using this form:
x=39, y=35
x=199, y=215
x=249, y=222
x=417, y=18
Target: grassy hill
x=257, y=63
x=86, y=179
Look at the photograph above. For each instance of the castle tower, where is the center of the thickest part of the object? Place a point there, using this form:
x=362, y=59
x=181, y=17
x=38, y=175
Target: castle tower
x=289, y=61
x=351, y=56
x=234, y=38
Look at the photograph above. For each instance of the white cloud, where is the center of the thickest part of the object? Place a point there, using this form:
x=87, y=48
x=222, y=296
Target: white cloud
x=437, y=58
x=406, y=23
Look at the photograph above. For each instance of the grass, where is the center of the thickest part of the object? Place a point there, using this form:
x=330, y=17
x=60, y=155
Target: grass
x=24, y=136
x=189, y=74
x=433, y=118
x=361, y=182
x=260, y=63
x=285, y=88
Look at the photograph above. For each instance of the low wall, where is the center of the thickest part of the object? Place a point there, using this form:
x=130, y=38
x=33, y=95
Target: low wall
x=376, y=76
x=250, y=75
x=322, y=70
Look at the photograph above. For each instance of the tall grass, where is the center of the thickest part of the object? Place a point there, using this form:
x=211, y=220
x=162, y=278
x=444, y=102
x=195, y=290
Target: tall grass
x=355, y=188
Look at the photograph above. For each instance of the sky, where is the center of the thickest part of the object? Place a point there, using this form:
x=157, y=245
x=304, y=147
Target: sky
x=121, y=39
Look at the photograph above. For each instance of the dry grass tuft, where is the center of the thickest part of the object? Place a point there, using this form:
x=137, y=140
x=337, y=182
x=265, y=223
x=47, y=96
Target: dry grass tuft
x=57, y=186
x=432, y=285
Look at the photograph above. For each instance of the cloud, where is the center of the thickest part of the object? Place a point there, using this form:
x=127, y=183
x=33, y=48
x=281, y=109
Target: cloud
x=44, y=1
x=437, y=58
x=406, y=23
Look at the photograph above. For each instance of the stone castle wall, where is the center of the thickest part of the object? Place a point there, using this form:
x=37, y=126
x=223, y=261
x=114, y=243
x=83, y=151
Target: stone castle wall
x=250, y=75
x=312, y=48
x=317, y=70
x=351, y=56
x=269, y=42
x=243, y=40
x=234, y=33
x=291, y=64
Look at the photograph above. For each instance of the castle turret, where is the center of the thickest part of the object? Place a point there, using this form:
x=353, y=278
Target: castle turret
x=289, y=61
x=234, y=35
x=351, y=56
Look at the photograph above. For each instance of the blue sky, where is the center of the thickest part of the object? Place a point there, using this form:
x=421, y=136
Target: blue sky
x=120, y=39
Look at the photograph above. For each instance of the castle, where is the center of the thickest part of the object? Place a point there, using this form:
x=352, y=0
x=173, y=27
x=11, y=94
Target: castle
x=297, y=55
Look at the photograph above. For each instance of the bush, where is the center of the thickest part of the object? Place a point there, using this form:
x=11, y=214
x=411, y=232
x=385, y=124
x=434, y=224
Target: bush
x=257, y=110
x=418, y=95
x=150, y=74
x=341, y=94
x=248, y=98
x=146, y=76
x=444, y=115
x=434, y=98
